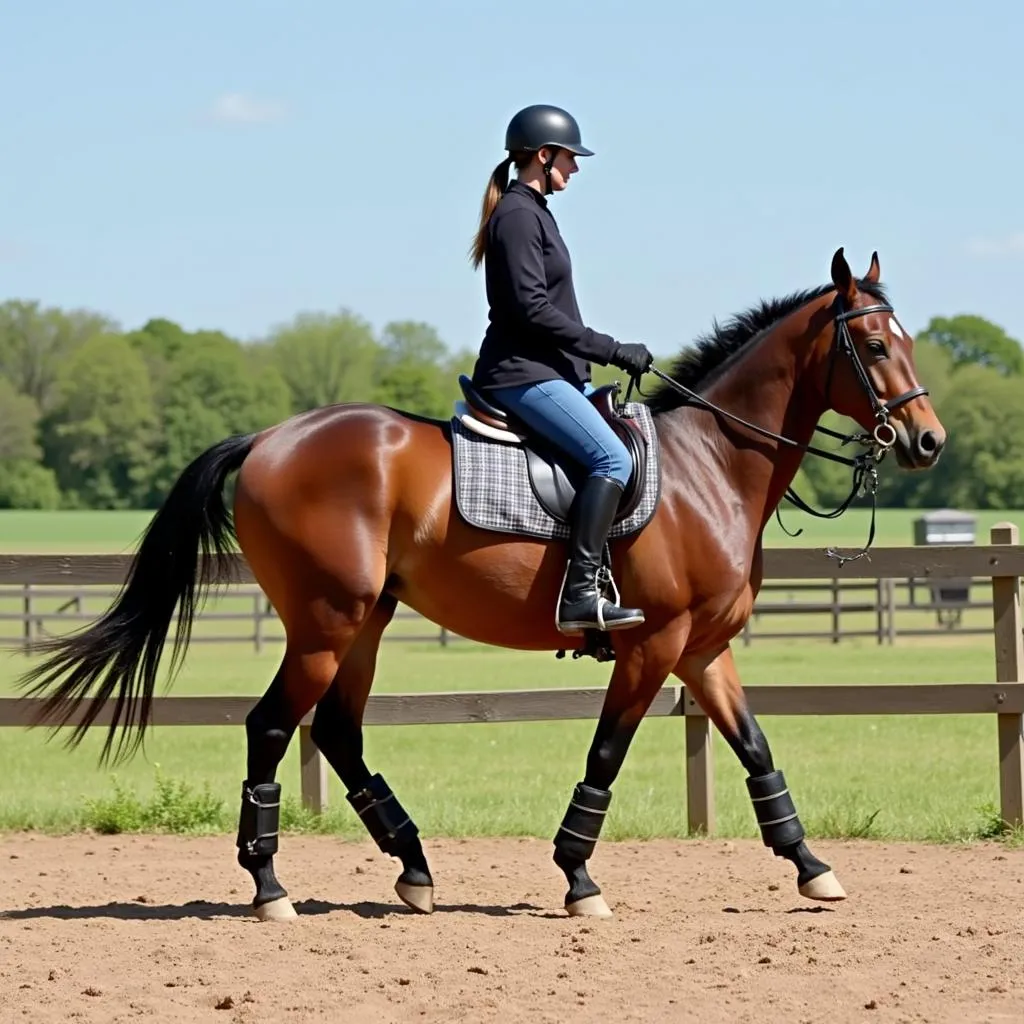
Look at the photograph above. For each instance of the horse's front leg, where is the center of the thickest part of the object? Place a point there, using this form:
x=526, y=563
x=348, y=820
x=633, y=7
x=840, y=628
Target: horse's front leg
x=640, y=670
x=715, y=684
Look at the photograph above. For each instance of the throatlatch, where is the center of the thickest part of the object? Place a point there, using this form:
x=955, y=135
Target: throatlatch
x=581, y=827
x=385, y=818
x=775, y=812
x=260, y=819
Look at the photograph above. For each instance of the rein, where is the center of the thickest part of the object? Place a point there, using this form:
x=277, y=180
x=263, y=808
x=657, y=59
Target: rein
x=878, y=442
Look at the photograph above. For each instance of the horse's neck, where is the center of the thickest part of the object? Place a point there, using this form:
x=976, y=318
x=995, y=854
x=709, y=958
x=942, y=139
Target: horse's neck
x=767, y=387
x=800, y=428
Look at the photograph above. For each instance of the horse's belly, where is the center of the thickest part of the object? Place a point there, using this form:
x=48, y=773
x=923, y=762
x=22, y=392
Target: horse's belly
x=504, y=598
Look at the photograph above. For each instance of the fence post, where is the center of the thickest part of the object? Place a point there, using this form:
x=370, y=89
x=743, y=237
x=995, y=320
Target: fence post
x=314, y=773
x=836, y=611
x=700, y=769
x=257, y=621
x=1009, y=669
x=26, y=602
x=890, y=602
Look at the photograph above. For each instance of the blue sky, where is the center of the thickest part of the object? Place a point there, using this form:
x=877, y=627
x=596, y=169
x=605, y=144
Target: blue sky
x=228, y=164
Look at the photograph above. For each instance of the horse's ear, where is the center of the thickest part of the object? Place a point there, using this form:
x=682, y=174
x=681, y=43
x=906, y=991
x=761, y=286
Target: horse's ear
x=842, y=277
x=874, y=271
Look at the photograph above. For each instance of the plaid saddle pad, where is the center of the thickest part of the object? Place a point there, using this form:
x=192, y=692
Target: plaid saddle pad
x=493, y=490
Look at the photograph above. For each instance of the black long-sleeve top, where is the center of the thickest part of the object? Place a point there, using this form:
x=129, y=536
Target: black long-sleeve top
x=535, y=331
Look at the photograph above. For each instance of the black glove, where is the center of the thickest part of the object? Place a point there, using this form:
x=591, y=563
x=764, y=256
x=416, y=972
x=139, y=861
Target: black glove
x=632, y=357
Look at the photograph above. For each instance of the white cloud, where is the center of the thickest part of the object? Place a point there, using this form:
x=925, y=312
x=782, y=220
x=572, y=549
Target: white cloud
x=1005, y=245
x=238, y=108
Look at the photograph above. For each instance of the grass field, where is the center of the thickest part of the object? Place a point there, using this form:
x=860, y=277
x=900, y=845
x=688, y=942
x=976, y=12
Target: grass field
x=926, y=777
x=88, y=532
x=917, y=777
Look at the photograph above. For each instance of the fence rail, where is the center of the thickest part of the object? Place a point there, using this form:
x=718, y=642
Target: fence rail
x=34, y=620
x=1002, y=562
x=935, y=562
x=831, y=609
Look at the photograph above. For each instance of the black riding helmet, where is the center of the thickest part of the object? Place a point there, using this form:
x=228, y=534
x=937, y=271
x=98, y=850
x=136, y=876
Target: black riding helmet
x=542, y=125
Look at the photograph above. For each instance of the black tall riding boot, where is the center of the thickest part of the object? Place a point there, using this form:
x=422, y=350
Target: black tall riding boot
x=580, y=606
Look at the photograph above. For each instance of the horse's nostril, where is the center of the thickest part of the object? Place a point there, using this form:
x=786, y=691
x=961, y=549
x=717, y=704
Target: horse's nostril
x=927, y=442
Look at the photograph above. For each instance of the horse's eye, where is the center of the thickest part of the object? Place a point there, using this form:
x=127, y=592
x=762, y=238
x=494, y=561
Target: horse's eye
x=876, y=348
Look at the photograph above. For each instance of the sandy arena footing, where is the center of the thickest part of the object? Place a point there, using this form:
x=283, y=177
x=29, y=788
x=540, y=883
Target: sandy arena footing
x=98, y=930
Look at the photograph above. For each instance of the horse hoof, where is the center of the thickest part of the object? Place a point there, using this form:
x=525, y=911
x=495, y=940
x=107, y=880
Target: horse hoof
x=276, y=910
x=824, y=887
x=589, y=906
x=419, y=897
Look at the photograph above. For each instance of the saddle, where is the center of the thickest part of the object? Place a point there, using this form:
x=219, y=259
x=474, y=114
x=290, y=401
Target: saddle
x=554, y=478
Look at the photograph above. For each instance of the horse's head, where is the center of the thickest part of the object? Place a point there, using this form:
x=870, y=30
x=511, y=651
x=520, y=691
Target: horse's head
x=869, y=374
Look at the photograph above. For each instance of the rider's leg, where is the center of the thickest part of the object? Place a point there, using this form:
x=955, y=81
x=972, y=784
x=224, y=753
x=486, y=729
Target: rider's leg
x=562, y=414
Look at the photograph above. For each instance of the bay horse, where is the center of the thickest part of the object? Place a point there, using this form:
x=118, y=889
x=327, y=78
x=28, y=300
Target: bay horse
x=343, y=512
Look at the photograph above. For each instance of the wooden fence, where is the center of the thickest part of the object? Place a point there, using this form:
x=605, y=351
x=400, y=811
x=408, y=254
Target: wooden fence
x=1002, y=562
x=832, y=609
x=46, y=610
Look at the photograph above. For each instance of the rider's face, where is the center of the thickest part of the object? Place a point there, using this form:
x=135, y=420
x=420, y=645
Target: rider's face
x=562, y=169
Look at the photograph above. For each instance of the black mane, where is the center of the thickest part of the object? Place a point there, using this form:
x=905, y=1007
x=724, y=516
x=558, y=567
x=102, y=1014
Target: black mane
x=711, y=353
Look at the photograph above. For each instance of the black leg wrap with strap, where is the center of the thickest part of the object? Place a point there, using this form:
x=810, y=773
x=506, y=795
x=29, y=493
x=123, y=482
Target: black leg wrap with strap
x=581, y=827
x=385, y=818
x=260, y=819
x=773, y=807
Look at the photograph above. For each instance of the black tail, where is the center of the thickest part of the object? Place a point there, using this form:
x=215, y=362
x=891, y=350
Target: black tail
x=121, y=651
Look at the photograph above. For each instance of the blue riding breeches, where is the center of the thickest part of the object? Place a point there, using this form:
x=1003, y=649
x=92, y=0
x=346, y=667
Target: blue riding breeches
x=561, y=413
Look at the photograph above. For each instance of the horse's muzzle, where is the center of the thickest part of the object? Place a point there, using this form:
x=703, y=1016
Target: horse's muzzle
x=918, y=449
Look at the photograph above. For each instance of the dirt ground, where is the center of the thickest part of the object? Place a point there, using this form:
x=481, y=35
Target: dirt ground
x=107, y=929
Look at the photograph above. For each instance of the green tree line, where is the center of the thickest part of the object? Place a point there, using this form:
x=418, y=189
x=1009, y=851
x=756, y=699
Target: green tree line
x=94, y=416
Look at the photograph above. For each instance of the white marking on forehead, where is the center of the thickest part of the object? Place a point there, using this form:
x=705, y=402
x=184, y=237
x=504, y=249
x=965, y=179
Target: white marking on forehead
x=895, y=327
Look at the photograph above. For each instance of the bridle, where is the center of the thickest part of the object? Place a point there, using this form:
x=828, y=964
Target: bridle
x=878, y=441
x=844, y=343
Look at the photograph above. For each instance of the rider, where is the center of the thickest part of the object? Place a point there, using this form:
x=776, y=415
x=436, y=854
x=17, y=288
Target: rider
x=535, y=357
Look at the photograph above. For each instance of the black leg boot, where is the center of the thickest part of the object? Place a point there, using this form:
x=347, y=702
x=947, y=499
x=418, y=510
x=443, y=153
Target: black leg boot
x=580, y=604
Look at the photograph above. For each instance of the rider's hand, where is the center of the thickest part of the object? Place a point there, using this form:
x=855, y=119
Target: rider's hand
x=633, y=357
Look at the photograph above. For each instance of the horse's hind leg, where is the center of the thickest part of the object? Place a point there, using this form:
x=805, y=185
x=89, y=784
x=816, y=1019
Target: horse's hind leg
x=338, y=732
x=715, y=684
x=301, y=679
x=321, y=629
